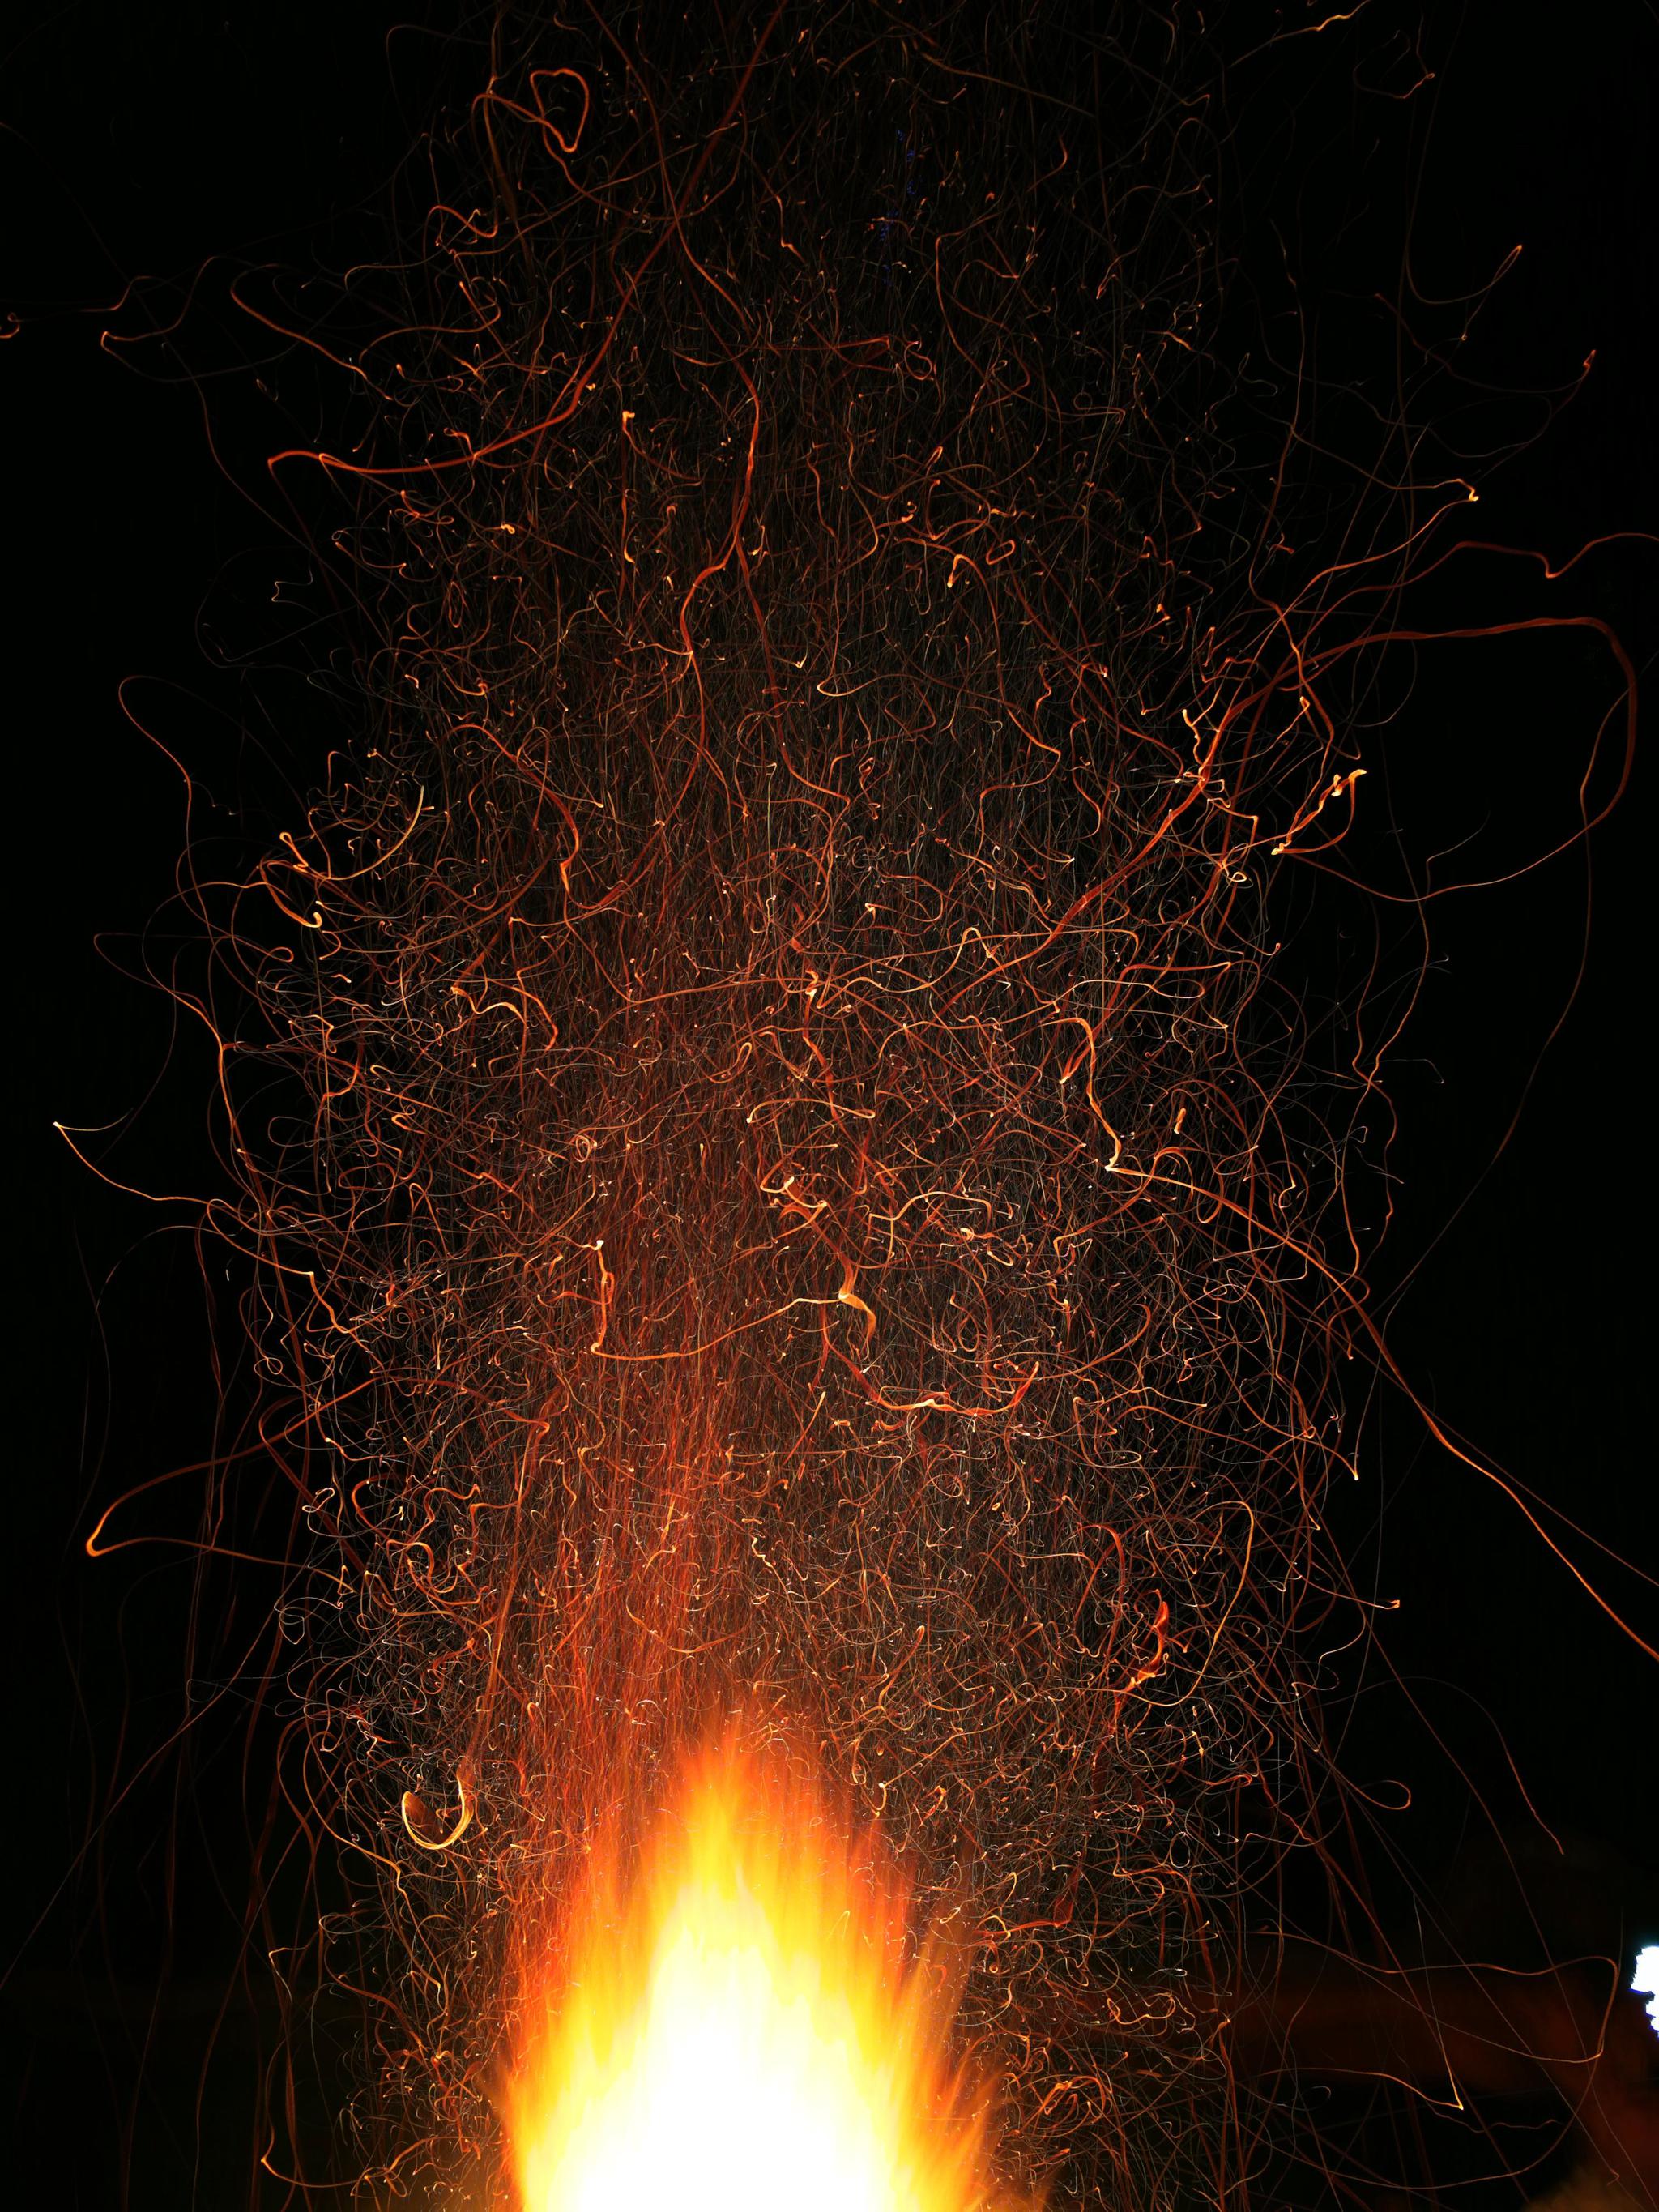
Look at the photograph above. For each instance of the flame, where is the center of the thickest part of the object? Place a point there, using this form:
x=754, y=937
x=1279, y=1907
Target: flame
x=744, y=2030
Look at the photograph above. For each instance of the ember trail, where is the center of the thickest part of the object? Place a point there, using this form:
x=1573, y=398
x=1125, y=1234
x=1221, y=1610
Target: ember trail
x=796, y=1250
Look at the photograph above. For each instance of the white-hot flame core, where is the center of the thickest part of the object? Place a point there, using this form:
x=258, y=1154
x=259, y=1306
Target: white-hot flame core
x=1645, y=1980
x=742, y=2092
x=743, y=2026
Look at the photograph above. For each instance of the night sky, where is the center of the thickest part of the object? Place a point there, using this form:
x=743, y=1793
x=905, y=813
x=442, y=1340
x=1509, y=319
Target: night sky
x=142, y=141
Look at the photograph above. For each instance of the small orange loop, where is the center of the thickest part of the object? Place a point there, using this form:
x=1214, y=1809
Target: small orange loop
x=416, y=1813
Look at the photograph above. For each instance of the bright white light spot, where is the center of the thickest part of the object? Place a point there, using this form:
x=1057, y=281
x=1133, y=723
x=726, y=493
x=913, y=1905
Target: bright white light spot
x=1645, y=1980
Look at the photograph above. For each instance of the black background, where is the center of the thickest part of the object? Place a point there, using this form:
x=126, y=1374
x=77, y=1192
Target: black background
x=144, y=140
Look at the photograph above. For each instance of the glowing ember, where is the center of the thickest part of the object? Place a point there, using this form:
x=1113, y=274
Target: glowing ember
x=742, y=2031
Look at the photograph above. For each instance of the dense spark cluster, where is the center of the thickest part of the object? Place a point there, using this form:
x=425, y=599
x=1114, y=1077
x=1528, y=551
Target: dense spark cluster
x=796, y=1226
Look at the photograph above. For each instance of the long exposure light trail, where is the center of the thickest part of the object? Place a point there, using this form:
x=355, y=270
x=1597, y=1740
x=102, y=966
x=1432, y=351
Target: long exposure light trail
x=800, y=1264
x=807, y=1205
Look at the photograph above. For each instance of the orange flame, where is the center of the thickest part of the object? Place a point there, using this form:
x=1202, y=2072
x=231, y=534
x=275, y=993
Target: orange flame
x=743, y=2029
